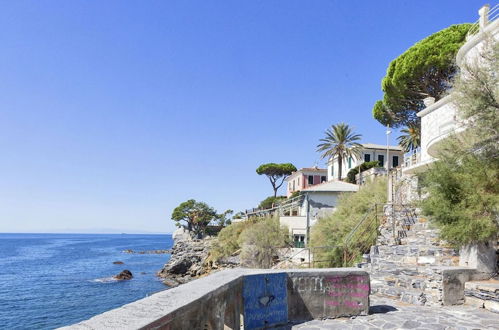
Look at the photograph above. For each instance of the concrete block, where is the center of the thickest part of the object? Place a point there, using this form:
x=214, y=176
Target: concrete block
x=481, y=256
x=473, y=302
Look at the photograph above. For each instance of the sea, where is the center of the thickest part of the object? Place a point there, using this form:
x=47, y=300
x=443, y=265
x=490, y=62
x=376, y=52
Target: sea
x=51, y=280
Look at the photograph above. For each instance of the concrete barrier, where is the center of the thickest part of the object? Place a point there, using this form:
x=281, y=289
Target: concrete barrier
x=252, y=298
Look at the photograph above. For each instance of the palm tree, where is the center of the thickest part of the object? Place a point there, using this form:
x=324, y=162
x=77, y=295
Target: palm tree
x=411, y=138
x=341, y=142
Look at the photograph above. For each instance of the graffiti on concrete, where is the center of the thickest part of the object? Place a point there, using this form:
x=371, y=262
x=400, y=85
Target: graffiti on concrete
x=265, y=300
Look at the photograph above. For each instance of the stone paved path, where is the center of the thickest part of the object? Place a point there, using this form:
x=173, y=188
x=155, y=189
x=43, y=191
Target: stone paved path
x=391, y=314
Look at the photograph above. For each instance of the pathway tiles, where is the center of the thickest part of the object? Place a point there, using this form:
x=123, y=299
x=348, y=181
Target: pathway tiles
x=391, y=314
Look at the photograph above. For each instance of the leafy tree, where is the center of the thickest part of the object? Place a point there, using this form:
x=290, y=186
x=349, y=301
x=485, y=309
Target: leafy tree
x=276, y=173
x=196, y=215
x=224, y=218
x=411, y=138
x=271, y=201
x=341, y=142
x=426, y=69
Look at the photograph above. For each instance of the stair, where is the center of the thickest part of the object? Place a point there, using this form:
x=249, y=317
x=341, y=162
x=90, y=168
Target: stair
x=483, y=294
x=421, y=269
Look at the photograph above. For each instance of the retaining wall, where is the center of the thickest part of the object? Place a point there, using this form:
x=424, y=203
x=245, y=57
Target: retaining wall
x=253, y=298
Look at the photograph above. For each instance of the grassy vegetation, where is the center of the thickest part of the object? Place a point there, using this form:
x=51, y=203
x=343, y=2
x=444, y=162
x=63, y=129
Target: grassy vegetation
x=331, y=230
x=256, y=239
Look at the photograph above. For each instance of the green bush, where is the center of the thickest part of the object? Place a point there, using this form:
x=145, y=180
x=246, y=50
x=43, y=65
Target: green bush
x=228, y=240
x=363, y=167
x=257, y=239
x=261, y=241
x=463, y=195
x=271, y=201
x=331, y=230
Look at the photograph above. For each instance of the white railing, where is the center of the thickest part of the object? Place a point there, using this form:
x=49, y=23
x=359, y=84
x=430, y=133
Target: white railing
x=487, y=15
x=412, y=159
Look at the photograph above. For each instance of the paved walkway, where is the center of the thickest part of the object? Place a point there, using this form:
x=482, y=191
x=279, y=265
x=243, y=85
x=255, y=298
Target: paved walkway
x=391, y=314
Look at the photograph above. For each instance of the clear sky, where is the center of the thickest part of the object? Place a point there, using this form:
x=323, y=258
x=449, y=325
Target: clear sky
x=114, y=112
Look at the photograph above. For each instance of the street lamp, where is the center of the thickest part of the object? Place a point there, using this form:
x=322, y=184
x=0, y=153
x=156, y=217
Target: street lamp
x=389, y=195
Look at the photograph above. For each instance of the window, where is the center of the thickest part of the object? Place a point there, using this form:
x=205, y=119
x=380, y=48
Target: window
x=323, y=179
x=395, y=161
x=293, y=185
x=381, y=160
x=310, y=179
x=349, y=162
x=298, y=182
x=332, y=171
x=367, y=157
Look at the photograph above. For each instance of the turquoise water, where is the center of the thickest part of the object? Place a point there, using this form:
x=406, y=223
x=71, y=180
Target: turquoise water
x=51, y=280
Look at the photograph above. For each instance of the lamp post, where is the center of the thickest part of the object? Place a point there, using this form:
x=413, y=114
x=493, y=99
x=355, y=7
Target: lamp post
x=389, y=196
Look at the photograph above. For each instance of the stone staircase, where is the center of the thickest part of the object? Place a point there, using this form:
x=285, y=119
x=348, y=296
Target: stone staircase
x=410, y=263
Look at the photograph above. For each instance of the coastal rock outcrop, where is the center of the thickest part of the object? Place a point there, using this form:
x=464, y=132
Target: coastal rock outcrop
x=188, y=259
x=124, y=275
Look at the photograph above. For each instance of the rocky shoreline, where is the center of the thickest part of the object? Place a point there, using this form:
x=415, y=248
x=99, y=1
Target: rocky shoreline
x=189, y=260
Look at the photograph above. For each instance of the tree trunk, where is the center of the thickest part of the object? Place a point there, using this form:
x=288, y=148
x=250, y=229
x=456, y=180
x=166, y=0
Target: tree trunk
x=340, y=163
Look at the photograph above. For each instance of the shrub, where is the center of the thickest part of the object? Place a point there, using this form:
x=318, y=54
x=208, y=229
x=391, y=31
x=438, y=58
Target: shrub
x=228, y=240
x=257, y=239
x=332, y=230
x=363, y=167
x=261, y=241
x=463, y=195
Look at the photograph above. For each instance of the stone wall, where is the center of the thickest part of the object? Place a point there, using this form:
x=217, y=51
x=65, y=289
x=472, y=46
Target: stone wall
x=255, y=298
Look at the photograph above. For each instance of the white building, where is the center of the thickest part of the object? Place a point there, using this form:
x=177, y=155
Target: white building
x=304, y=178
x=440, y=119
x=370, y=152
x=314, y=202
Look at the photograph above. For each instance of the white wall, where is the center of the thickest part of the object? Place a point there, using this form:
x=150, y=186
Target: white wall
x=374, y=153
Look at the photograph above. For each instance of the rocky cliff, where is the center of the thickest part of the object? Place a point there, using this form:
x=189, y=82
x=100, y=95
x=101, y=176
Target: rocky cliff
x=189, y=259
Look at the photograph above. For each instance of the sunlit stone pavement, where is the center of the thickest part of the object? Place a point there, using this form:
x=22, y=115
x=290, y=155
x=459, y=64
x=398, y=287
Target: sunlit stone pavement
x=390, y=314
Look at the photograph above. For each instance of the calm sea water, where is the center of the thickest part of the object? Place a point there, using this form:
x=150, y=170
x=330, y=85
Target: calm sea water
x=51, y=280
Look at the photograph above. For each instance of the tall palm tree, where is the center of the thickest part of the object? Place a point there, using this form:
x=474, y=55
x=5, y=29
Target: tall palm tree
x=341, y=142
x=411, y=137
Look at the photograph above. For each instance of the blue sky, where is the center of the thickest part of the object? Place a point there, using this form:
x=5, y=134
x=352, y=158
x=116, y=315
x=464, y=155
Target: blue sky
x=114, y=112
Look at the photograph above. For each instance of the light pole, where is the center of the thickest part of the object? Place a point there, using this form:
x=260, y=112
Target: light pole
x=389, y=196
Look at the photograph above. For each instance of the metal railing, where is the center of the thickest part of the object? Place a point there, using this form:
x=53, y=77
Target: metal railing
x=357, y=242
x=489, y=15
x=286, y=205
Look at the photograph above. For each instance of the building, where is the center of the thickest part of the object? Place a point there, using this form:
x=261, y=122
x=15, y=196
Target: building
x=304, y=178
x=370, y=152
x=314, y=202
x=440, y=119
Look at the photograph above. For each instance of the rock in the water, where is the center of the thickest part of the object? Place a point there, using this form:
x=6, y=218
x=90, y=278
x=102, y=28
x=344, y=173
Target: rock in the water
x=118, y=262
x=124, y=275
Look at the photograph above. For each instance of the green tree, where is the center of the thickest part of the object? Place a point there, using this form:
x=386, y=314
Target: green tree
x=276, y=173
x=411, y=137
x=196, y=215
x=425, y=69
x=341, y=142
x=224, y=219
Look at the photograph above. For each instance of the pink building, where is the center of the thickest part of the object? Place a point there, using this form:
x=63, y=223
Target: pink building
x=304, y=178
